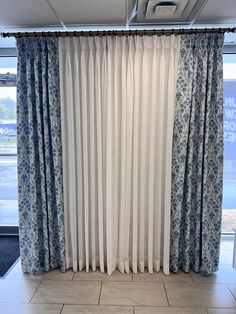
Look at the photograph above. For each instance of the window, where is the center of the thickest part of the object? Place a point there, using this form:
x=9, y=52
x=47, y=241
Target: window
x=229, y=186
x=8, y=148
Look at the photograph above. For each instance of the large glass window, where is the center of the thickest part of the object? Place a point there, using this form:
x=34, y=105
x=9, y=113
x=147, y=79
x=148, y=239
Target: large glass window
x=229, y=188
x=8, y=151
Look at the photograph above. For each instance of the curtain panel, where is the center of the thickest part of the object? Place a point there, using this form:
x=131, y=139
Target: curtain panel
x=119, y=204
x=118, y=101
x=40, y=193
x=197, y=162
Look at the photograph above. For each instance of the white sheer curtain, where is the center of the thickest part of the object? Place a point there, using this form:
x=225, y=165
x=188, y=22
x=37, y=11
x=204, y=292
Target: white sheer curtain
x=118, y=99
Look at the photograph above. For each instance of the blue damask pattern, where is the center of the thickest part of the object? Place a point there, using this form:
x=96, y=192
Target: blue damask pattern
x=197, y=164
x=41, y=219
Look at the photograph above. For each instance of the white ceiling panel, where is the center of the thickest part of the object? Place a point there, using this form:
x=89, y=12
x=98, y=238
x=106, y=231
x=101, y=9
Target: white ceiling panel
x=73, y=12
x=42, y=28
x=44, y=15
x=26, y=13
x=222, y=11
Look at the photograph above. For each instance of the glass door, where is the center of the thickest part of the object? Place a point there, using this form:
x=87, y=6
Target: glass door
x=229, y=183
x=229, y=186
x=8, y=148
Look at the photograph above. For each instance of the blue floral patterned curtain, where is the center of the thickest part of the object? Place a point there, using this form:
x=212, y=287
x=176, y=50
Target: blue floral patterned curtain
x=197, y=164
x=41, y=225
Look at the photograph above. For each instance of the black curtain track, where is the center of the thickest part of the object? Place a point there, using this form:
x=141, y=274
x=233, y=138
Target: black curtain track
x=158, y=32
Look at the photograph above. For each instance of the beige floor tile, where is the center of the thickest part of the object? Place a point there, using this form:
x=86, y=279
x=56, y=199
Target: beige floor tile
x=98, y=276
x=133, y=293
x=55, y=274
x=224, y=275
x=97, y=309
x=15, y=269
x=232, y=288
x=30, y=308
x=69, y=292
x=199, y=295
x=160, y=277
x=221, y=311
x=168, y=310
x=17, y=290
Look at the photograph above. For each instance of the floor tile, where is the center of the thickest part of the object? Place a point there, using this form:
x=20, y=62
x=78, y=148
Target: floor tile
x=17, y=290
x=133, y=293
x=224, y=275
x=160, y=277
x=69, y=292
x=7, y=308
x=232, y=288
x=221, y=311
x=97, y=309
x=168, y=310
x=98, y=276
x=199, y=295
x=15, y=269
x=55, y=274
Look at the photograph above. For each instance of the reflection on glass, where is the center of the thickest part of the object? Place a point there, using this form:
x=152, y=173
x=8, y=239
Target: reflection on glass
x=229, y=191
x=7, y=120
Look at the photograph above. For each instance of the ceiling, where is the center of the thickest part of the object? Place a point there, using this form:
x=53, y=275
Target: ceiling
x=59, y=15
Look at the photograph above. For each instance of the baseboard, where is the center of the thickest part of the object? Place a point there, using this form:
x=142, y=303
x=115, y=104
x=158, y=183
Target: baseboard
x=9, y=230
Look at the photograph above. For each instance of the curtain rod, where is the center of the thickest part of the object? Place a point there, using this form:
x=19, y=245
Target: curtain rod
x=158, y=32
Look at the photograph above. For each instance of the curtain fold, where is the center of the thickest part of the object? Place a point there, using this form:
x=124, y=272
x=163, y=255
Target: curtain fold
x=197, y=164
x=40, y=193
x=117, y=103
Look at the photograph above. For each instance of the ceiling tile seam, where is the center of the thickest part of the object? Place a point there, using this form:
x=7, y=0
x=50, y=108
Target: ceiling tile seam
x=134, y=12
x=56, y=15
x=198, y=12
x=126, y=15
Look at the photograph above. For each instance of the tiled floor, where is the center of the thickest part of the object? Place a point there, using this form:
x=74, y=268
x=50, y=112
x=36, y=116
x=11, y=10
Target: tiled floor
x=92, y=293
x=68, y=293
